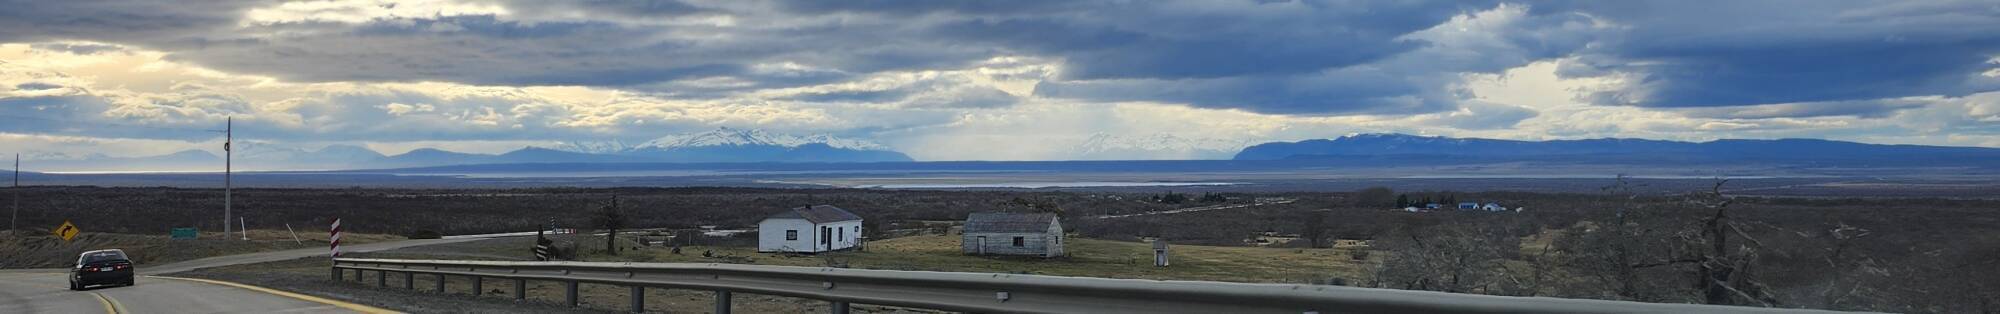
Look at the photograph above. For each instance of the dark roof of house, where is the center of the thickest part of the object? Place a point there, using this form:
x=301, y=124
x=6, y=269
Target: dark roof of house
x=1008, y=222
x=818, y=214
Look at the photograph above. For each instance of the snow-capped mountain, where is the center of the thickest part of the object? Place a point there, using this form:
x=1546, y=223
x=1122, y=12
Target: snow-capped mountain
x=721, y=145
x=753, y=137
x=590, y=147
x=1103, y=146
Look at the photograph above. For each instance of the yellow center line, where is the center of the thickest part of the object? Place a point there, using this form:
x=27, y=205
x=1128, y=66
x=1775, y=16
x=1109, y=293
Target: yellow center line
x=308, y=298
x=110, y=307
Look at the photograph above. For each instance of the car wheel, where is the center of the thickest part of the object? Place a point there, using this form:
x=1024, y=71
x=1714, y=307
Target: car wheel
x=74, y=287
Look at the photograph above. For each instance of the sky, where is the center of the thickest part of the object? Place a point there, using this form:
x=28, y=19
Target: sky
x=985, y=80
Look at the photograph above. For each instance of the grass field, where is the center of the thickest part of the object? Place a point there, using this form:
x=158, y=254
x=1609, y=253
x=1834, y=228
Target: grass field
x=1087, y=257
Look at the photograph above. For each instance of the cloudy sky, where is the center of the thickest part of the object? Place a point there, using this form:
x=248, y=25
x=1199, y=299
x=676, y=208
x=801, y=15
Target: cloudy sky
x=986, y=80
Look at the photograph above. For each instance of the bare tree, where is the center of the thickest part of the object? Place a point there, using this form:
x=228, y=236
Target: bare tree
x=1644, y=249
x=1462, y=258
x=611, y=219
x=1314, y=229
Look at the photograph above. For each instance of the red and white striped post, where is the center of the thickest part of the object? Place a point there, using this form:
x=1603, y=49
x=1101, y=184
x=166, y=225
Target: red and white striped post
x=335, y=238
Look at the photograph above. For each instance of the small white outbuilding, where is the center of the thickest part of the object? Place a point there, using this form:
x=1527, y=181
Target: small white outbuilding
x=809, y=229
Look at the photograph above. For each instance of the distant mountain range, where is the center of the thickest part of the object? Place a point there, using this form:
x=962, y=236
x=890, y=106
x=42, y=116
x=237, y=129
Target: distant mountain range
x=1610, y=150
x=735, y=146
x=723, y=145
x=1104, y=146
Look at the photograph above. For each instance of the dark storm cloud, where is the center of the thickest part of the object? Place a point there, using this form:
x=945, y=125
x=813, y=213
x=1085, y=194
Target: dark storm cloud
x=1730, y=53
x=152, y=23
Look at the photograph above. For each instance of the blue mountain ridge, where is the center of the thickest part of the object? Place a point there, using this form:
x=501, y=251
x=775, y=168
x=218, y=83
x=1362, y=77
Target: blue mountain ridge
x=1611, y=149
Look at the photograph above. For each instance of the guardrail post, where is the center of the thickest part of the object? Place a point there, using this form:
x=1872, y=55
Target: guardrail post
x=839, y=307
x=440, y=284
x=478, y=285
x=410, y=280
x=570, y=288
x=721, y=302
x=336, y=273
x=381, y=278
x=520, y=289
x=638, y=299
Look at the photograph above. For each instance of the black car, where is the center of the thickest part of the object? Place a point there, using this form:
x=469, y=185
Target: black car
x=101, y=267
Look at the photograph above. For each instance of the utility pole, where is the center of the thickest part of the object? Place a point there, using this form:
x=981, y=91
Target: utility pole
x=228, y=136
x=15, y=216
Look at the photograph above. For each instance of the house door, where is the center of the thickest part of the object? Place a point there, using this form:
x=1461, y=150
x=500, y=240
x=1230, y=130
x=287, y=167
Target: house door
x=826, y=237
x=981, y=244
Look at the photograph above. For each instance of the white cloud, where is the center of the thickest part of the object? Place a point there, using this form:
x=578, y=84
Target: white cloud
x=363, y=11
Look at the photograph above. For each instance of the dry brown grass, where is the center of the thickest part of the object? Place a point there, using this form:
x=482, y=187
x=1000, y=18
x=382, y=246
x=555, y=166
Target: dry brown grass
x=1087, y=258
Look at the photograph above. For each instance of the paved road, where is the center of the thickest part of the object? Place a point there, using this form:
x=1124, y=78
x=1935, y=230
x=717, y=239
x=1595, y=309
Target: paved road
x=49, y=293
x=46, y=290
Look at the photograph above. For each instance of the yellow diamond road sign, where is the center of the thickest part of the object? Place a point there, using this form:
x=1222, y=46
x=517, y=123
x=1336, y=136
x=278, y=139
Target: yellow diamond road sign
x=67, y=231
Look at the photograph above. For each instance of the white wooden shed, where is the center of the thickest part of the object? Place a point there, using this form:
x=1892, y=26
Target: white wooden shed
x=809, y=229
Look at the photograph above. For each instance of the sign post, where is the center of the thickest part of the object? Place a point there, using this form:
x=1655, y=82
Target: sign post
x=67, y=231
x=544, y=249
x=335, y=237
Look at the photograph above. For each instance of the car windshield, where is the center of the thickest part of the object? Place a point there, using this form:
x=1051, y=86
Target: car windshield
x=94, y=257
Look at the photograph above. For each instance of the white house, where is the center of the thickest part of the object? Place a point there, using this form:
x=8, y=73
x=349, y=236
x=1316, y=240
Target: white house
x=1493, y=207
x=809, y=229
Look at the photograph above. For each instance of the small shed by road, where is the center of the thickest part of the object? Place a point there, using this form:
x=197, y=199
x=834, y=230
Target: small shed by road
x=1033, y=234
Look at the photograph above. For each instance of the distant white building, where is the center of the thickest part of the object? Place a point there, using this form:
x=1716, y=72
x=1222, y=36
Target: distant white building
x=809, y=229
x=1494, y=207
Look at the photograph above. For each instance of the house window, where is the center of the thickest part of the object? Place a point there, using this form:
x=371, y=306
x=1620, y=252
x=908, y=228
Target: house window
x=842, y=234
x=1020, y=241
x=791, y=235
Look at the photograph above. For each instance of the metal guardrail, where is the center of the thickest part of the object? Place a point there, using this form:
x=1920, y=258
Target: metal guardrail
x=990, y=293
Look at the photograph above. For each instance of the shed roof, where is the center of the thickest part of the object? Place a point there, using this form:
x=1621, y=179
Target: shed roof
x=1008, y=222
x=818, y=214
